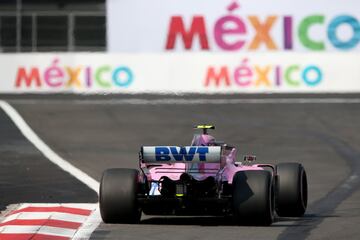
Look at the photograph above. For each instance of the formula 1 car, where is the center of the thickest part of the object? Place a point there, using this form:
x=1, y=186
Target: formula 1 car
x=202, y=179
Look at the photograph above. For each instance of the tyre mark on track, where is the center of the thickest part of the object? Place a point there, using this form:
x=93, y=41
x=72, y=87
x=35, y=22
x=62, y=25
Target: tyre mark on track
x=327, y=205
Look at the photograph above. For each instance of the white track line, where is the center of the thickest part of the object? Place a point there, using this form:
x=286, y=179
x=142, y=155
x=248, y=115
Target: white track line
x=45, y=149
x=187, y=101
x=89, y=224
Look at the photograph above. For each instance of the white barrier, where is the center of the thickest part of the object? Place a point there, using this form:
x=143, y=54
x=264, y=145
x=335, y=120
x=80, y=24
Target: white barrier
x=236, y=26
x=180, y=73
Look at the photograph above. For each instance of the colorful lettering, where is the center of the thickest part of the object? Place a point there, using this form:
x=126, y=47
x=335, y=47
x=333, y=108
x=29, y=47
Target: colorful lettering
x=269, y=76
x=217, y=78
x=177, y=28
x=56, y=76
x=233, y=32
x=220, y=32
x=28, y=79
x=262, y=32
x=335, y=23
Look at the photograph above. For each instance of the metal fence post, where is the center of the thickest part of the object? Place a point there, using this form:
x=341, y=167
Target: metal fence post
x=34, y=32
x=1, y=50
x=71, y=32
x=18, y=25
x=34, y=16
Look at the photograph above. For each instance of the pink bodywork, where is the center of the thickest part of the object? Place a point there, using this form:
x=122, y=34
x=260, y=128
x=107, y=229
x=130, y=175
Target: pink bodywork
x=223, y=171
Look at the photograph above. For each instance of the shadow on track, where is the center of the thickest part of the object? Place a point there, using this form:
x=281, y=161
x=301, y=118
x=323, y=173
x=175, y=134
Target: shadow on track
x=324, y=207
x=209, y=221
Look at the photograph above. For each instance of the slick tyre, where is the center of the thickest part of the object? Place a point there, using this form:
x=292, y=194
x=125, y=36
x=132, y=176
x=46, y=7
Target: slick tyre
x=253, y=197
x=118, y=196
x=291, y=190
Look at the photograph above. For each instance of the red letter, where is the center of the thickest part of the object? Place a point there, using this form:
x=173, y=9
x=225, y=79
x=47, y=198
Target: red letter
x=33, y=76
x=223, y=75
x=177, y=28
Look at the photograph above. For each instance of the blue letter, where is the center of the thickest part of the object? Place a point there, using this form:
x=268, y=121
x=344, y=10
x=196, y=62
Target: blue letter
x=178, y=155
x=202, y=151
x=162, y=154
x=122, y=82
x=344, y=20
x=316, y=80
x=190, y=155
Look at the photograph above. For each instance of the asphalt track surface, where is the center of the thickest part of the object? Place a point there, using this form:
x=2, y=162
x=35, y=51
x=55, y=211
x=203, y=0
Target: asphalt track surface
x=97, y=134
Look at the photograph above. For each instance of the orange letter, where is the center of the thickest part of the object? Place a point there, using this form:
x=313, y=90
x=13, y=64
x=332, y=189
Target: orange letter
x=262, y=32
x=73, y=76
x=262, y=76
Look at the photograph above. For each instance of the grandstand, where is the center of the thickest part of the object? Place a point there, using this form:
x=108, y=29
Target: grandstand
x=52, y=25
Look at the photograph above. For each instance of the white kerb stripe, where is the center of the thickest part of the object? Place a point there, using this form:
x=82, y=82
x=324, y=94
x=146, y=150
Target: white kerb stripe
x=47, y=215
x=19, y=229
x=64, y=232
x=89, y=226
x=54, y=231
x=87, y=206
x=45, y=149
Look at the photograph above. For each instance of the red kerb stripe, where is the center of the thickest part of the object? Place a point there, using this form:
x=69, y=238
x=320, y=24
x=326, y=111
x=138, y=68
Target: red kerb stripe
x=42, y=222
x=7, y=236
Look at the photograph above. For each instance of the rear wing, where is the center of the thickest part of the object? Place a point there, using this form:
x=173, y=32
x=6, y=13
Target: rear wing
x=177, y=154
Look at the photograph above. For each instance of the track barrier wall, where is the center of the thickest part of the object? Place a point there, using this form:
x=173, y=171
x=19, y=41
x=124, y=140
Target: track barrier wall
x=88, y=73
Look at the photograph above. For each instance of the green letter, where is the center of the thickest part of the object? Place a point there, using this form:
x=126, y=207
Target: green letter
x=305, y=24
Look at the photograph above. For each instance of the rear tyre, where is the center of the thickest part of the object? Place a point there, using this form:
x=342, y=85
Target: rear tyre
x=291, y=190
x=118, y=196
x=253, y=197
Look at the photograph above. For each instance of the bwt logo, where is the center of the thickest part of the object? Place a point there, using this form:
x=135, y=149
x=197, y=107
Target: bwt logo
x=180, y=153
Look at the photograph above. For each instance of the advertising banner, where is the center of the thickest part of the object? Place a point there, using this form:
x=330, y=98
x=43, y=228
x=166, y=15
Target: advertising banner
x=283, y=72
x=240, y=26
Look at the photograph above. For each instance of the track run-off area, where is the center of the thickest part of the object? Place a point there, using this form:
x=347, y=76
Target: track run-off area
x=53, y=153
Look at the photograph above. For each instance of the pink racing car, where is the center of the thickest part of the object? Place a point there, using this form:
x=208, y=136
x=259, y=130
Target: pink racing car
x=203, y=179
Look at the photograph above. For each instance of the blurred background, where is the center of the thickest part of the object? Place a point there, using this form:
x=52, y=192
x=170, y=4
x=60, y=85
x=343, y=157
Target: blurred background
x=124, y=46
x=58, y=25
x=97, y=79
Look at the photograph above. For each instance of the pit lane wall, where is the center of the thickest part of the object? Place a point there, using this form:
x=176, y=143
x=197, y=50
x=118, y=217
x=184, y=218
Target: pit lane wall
x=206, y=73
